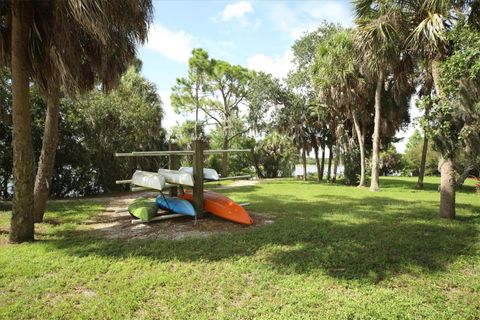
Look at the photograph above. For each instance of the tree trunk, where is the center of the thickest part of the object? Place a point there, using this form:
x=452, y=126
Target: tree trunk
x=47, y=155
x=22, y=226
x=329, y=168
x=225, y=157
x=304, y=160
x=376, y=135
x=317, y=161
x=465, y=173
x=335, y=164
x=322, y=167
x=361, y=145
x=447, y=190
x=421, y=172
x=436, y=77
x=447, y=170
x=256, y=165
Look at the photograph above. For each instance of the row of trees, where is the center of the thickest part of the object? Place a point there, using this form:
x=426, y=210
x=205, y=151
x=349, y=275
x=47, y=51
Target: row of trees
x=402, y=39
x=352, y=84
x=217, y=89
x=359, y=83
x=348, y=85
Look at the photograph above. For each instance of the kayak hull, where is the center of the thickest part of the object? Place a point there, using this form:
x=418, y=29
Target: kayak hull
x=147, y=179
x=177, y=177
x=222, y=207
x=143, y=209
x=175, y=205
x=208, y=173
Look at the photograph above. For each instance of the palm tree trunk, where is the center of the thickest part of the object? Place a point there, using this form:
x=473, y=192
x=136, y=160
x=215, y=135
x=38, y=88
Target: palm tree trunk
x=421, y=172
x=361, y=145
x=447, y=170
x=447, y=190
x=329, y=168
x=47, y=155
x=335, y=164
x=304, y=160
x=22, y=226
x=376, y=135
x=322, y=167
x=317, y=161
x=256, y=165
x=436, y=77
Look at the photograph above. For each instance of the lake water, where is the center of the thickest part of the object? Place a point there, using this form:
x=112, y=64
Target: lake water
x=311, y=168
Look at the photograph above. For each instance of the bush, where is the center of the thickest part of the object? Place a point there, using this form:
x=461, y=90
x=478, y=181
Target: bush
x=352, y=168
x=275, y=156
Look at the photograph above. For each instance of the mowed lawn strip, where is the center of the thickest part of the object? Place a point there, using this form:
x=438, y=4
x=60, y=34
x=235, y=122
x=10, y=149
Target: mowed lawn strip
x=333, y=252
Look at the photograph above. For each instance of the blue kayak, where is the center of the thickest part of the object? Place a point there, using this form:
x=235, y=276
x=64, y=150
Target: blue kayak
x=175, y=205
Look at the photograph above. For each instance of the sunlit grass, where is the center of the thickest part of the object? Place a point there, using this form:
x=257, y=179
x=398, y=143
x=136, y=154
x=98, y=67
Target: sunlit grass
x=333, y=252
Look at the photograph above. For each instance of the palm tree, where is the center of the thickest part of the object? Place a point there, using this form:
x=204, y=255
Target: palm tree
x=113, y=64
x=342, y=86
x=428, y=22
x=426, y=88
x=55, y=43
x=378, y=41
x=293, y=120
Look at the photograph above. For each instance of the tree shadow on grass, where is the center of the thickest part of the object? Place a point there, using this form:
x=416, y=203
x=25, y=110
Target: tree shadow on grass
x=389, y=183
x=347, y=238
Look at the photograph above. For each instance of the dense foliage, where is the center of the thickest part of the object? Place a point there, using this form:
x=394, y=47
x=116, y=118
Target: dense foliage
x=413, y=154
x=275, y=156
x=92, y=128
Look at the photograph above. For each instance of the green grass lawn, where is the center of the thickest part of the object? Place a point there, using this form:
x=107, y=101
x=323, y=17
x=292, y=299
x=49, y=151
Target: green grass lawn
x=333, y=252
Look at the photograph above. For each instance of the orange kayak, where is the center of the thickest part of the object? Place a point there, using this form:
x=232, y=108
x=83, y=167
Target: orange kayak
x=222, y=207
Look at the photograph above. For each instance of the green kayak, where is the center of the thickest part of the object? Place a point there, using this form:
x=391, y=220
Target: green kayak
x=143, y=209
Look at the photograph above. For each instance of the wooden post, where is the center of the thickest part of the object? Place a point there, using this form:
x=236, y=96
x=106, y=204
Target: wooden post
x=173, y=164
x=198, y=179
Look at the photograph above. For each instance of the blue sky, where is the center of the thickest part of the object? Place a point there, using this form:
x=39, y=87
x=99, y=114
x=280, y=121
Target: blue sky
x=254, y=34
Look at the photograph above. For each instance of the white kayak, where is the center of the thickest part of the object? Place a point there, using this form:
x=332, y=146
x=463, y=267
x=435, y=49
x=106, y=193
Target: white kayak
x=177, y=177
x=147, y=179
x=208, y=173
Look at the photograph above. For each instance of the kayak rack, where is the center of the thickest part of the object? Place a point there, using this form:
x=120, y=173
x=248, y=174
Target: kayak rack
x=198, y=154
x=162, y=215
x=230, y=178
x=175, y=153
x=158, y=218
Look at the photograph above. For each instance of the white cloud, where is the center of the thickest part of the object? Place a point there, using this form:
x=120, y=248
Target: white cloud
x=297, y=20
x=278, y=65
x=236, y=10
x=332, y=11
x=176, y=45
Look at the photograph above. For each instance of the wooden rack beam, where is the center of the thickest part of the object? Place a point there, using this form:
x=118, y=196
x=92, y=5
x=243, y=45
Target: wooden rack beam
x=176, y=152
x=167, y=186
x=198, y=200
x=121, y=210
x=163, y=217
x=225, y=151
x=234, y=178
x=123, y=181
x=154, y=153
